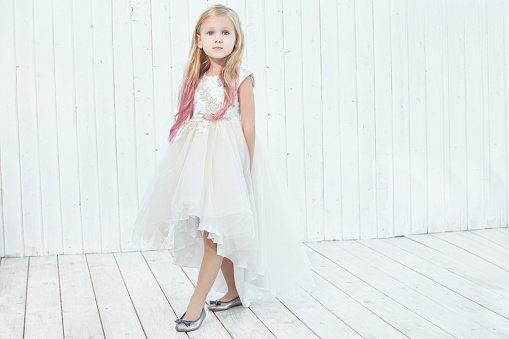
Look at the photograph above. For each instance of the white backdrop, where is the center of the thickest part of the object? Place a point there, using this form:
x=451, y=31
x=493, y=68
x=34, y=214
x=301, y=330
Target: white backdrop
x=387, y=117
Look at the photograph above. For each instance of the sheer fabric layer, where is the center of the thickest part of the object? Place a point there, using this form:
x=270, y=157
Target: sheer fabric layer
x=203, y=183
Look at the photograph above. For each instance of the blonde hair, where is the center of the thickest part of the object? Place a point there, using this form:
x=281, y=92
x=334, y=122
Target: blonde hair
x=198, y=63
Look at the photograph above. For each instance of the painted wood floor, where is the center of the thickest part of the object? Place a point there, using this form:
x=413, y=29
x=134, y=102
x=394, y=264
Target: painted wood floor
x=442, y=285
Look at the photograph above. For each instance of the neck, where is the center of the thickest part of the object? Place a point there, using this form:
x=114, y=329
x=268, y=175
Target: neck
x=216, y=66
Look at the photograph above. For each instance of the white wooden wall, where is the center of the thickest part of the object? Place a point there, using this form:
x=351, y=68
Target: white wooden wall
x=388, y=117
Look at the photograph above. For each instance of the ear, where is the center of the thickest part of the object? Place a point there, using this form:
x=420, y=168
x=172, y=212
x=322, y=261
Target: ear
x=198, y=41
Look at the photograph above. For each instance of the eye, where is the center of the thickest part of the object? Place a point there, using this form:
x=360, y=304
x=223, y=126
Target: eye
x=210, y=32
x=226, y=32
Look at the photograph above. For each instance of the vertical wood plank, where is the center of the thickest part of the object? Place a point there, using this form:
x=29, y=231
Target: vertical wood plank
x=255, y=28
x=296, y=175
x=86, y=122
x=446, y=114
x=485, y=126
x=195, y=9
x=366, y=118
x=331, y=116
x=498, y=111
x=164, y=107
x=313, y=120
x=434, y=114
x=417, y=123
x=143, y=92
x=384, y=170
x=456, y=197
x=27, y=126
x=401, y=117
x=214, y=2
x=505, y=9
x=125, y=119
x=274, y=63
x=105, y=116
x=47, y=128
x=474, y=116
x=348, y=121
x=2, y=242
x=66, y=126
x=9, y=137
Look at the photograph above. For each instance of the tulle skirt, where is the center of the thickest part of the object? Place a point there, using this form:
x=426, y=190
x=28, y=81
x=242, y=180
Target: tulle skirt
x=203, y=183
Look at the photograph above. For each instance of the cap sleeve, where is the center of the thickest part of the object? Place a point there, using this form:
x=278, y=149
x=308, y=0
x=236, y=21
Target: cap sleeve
x=243, y=74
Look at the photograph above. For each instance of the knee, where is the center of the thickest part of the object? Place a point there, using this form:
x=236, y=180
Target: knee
x=211, y=248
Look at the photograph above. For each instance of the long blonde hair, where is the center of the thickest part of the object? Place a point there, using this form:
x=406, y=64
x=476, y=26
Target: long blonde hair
x=198, y=63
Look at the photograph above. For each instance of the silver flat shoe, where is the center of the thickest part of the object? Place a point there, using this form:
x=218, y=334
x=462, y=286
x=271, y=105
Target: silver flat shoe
x=217, y=305
x=189, y=325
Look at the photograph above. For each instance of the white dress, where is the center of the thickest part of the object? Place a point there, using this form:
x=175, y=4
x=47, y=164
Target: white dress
x=203, y=182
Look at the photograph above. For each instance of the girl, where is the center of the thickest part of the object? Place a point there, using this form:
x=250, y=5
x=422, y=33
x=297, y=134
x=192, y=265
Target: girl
x=215, y=198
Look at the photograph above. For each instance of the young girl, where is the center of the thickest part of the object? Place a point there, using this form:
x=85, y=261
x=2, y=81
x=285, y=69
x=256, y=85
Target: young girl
x=215, y=198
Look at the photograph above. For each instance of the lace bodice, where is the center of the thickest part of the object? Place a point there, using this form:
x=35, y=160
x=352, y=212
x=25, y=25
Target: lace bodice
x=209, y=96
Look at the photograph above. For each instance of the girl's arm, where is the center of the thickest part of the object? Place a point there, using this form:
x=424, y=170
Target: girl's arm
x=247, y=115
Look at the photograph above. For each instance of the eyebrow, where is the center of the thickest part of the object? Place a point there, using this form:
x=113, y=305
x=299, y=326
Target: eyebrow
x=213, y=27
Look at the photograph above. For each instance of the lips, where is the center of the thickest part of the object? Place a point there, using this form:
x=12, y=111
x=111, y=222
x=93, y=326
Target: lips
x=218, y=48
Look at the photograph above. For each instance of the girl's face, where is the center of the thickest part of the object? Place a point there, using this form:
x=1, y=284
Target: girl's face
x=217, y=37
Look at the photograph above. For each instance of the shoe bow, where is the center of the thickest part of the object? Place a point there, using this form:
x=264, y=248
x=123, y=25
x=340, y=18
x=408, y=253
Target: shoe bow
x=182, y=321
x=216, y=302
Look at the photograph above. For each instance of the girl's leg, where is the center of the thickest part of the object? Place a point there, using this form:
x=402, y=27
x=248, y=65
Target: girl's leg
x=227, y=269
x=208, y=272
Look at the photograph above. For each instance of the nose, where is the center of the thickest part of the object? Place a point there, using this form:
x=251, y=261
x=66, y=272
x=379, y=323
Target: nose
x=218, y=38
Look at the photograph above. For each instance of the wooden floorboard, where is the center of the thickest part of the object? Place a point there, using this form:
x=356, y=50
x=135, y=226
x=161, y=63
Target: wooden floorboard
x=440, y=285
